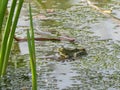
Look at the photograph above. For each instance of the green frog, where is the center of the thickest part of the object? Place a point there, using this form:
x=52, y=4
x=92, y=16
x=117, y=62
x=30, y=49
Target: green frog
x=66, y=53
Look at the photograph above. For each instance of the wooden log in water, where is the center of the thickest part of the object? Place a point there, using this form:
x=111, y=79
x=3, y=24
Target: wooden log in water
x=46, y=39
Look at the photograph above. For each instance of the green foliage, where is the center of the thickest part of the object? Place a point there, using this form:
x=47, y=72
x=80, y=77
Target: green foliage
x=9, y=31
x=3, y=7
x=31, y=46
x=8, y=36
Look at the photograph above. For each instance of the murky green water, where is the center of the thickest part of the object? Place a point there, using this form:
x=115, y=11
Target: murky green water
x=98, y=34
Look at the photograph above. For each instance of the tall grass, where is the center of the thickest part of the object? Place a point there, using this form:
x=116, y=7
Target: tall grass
x=3, y=7
x=8, y=37
x=31, y=46
x=9, y=31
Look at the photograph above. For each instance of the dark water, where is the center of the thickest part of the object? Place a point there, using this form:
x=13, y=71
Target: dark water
x=98, y=34
x=102, y=3
x=57, y=4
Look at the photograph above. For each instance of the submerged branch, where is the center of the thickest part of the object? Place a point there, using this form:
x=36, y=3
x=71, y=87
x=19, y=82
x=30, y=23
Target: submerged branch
x=46, y=39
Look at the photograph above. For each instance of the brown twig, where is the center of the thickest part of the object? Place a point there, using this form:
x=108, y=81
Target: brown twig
x=46, y=39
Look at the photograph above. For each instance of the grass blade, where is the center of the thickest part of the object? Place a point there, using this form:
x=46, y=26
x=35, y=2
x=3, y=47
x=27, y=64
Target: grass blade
x=32, y=30
x=3, y=7
x=11, y=36
x=6, y=33
x=31, y=46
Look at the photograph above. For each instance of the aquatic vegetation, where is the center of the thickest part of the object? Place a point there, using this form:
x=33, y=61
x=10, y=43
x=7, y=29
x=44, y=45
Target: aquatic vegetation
x=8, y=32
x=97, y=70
x=8, y=37
x=3, y=6
x=31, y=45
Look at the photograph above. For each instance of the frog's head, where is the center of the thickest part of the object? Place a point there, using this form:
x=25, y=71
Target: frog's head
x=62, y=53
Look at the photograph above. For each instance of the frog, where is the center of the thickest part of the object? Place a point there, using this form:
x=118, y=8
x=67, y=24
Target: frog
x=67, y=53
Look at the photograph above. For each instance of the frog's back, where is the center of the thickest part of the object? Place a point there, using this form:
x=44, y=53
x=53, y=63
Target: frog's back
x=72, y=52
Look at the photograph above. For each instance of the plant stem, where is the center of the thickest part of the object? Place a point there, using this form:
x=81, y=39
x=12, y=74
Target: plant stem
x=31, y=45
x=6, y=33
x=11, y=36
x=3, y=7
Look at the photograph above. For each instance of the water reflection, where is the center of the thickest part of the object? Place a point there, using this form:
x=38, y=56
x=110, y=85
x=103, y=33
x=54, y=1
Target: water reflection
x=57, y=4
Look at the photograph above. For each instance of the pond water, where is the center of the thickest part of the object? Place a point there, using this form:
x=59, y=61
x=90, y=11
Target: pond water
x=97, y=33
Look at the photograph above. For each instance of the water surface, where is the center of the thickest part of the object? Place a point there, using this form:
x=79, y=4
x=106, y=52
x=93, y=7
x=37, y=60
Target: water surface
x=98, y=34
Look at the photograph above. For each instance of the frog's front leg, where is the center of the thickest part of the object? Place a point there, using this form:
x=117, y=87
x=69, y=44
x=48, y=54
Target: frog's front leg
x=63, y=56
